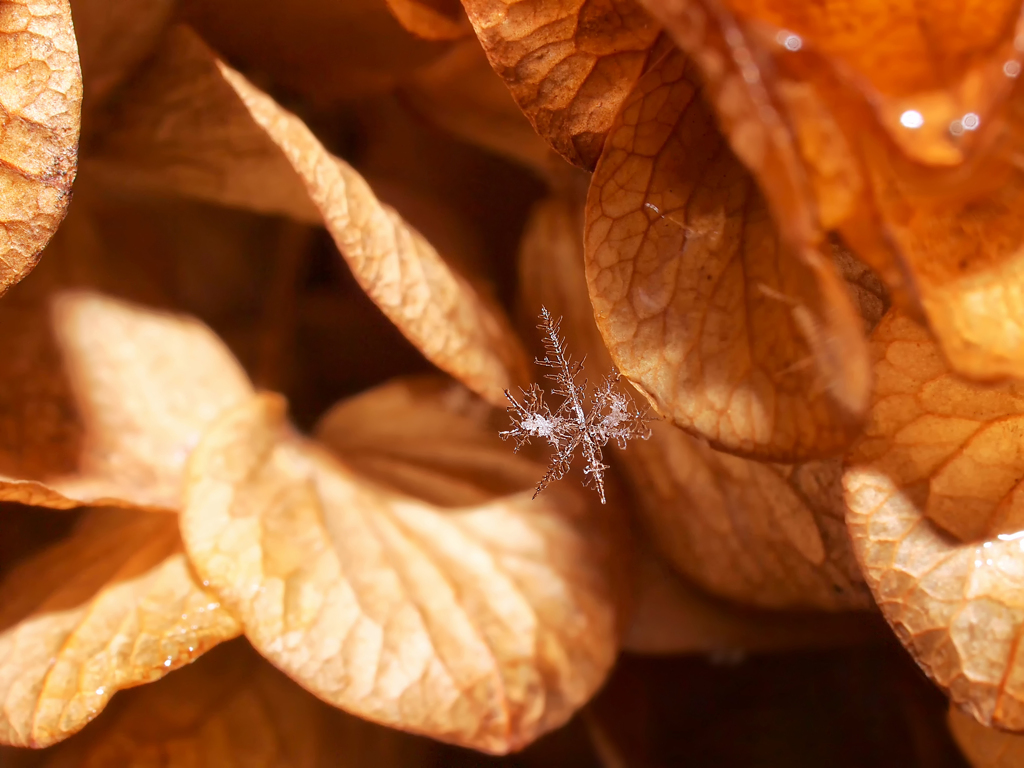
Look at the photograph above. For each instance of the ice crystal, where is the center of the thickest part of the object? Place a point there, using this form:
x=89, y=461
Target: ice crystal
x=579, y=422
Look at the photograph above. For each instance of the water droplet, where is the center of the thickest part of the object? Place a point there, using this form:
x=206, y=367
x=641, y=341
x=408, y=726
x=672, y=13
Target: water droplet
x=977, y=563
x=788, y=40
x=968, y=122
x=167, y=663
x=1011, y=68
x=100, y=691
x=911, y=119
x=987, y=544
x=1011, y=536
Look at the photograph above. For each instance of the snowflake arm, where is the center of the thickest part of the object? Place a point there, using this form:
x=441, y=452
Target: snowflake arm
x=579, y=421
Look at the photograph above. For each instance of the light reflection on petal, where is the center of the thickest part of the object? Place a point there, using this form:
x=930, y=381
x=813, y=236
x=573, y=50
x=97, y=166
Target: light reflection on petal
x=912, y=119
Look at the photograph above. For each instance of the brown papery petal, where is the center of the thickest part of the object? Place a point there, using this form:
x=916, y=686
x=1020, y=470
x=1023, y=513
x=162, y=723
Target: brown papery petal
x=486, y=626
x=113, y=606
x=959, y=441
x=437, y=309
x=941, y=451
x=985, y=747
x=430, y=438
x=432, y=19
x=552, y=274
x=961, y=240
x=215, y=108
x=896, y=126
x=764, y=535
x=102, y=400
x=462, y=94
x=231, y=708
x=177, y=127
x=427, y=437
x=41, y=101
x=568, y=64
x=942, y=61
x=809, y=94
x=731, y=334
x=760, y=534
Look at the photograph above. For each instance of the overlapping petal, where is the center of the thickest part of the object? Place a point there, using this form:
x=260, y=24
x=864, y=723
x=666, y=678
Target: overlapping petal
x=569, y=65
x=231, y=708
x=105, y=398
x=485, y=625
x=898, y=126
x=942, y=456
x=462, y=94
x=113, y=606
x=762, y=534
x=194, y=125
x=731, y=332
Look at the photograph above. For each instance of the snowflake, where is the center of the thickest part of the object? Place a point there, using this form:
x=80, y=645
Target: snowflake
x=582, y=422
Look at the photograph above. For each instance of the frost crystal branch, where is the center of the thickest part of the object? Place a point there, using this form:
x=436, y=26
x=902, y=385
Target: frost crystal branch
x=580, y=421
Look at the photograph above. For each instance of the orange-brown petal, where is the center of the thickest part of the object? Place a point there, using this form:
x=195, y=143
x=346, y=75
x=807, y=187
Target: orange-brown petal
x=113, y=606
x=486, y=625
x=569, y=64
x=232, y=708
x=732, y=334
x=40, y=117
x=432, y=19
x=104, y=398
x=207, y=131
x=896, y=127
x=462, y=94
x=985, y=747
x=761, y=534
x=931, y=512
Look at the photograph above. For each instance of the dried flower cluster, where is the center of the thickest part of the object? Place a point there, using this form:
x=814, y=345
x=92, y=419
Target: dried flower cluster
x=580, y=421
x=795, y=227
